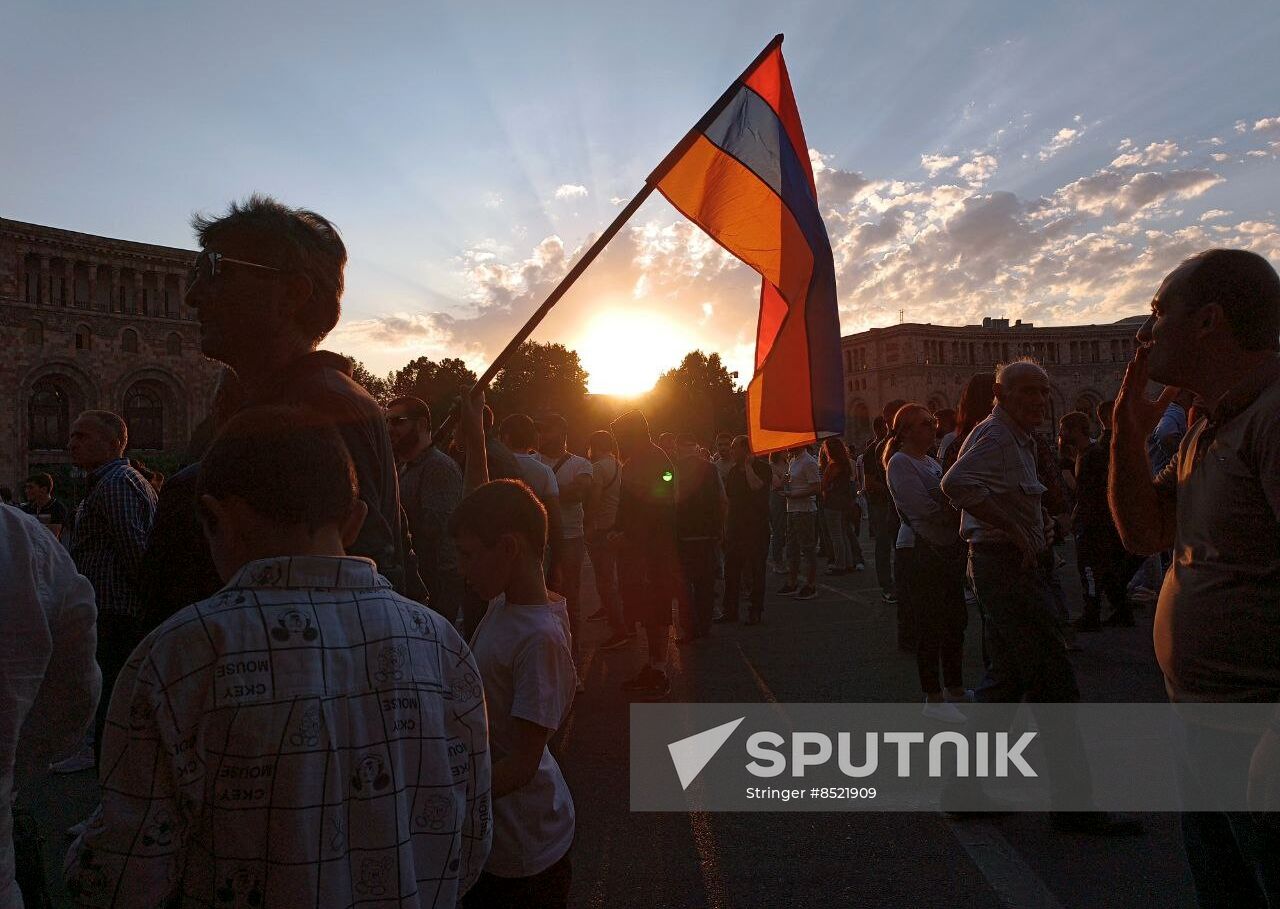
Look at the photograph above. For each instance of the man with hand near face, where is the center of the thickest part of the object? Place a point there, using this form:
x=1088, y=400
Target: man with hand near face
x=1214, y=331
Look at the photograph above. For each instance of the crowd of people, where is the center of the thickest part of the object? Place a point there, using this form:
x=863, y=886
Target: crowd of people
x=332, y=652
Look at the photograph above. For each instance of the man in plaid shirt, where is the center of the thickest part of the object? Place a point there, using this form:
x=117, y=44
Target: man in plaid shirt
x=110, y=533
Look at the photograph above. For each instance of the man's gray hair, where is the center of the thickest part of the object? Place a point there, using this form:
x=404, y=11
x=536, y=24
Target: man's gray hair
x=1008, y=374
x=311, y=246
x=111, y=423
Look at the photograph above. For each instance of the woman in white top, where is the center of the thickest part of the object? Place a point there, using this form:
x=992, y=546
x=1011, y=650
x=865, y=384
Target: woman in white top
x=933, y=567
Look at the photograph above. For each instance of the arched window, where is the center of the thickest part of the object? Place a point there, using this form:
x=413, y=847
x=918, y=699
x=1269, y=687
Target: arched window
x=129, y=341
x=34, y=333
x=144, y=415
x=173, y=344
x=84, y=337
x=48, y=417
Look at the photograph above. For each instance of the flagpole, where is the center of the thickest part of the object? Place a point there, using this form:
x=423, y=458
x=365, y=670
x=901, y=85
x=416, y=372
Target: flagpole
x=610, y=232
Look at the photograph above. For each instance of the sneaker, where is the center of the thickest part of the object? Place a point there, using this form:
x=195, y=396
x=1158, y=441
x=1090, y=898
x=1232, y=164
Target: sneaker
x=76, y=830
x=943, y=712
x=599, y=615
x=643, y=680
x=660, y=688
x=888, y=598
x=966, y=698
x=788, y=590
x=860, y=567
x=616, y=640
x=807, y=592
x=81, y=760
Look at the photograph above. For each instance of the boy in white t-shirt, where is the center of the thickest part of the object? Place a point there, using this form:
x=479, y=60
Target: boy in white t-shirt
x=523, y=649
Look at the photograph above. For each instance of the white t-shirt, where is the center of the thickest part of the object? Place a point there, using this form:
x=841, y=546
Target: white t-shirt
x=606, y=486
x=526, y=664
x=572, y=468
x=802, y=470
x=538, y=475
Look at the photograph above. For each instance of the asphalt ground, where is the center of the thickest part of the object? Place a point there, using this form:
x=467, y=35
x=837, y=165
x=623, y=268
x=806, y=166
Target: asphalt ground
x=837, y=647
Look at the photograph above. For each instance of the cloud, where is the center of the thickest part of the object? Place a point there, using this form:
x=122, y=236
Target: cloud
x=571, y=191
x=1124, y=195
x=1220, y=157
x=836, y=187
x=978, y=170
x=493, y=200
x=1266, y=124
x=1062, y=139
x=936, y=164
x=945, y=243
x=1155, y=153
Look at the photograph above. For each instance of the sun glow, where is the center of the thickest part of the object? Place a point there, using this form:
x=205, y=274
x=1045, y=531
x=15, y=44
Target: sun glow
x=625, y=350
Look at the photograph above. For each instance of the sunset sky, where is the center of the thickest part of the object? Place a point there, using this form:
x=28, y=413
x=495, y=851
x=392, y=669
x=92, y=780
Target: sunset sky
x=1047, y=162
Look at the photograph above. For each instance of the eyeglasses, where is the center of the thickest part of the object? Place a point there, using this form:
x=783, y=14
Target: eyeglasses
x=208, y=265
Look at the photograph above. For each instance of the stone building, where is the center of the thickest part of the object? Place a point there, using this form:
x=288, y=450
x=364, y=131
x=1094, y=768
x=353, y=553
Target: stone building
x=931, y=363
x=92, y=322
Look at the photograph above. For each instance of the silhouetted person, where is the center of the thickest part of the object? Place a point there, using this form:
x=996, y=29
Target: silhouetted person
x=1214, y=330
x=110, y=534
x=267, y=287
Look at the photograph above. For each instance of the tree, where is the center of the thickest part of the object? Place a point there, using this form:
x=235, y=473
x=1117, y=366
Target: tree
x=541, y=378
x=435, y=383
x=376, y=387
x=699, y=396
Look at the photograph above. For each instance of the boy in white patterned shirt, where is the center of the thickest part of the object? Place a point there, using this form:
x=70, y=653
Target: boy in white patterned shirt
x=306, y=736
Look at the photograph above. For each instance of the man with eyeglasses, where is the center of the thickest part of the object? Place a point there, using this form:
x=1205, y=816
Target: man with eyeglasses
x=1213, y=331
x=430, y=490
x=267, y=287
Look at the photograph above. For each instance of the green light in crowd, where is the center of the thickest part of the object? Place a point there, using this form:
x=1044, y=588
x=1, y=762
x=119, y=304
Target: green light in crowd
x=667, y=476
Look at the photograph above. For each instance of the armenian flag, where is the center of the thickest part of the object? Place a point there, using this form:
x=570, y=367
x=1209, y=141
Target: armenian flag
x=743, y=175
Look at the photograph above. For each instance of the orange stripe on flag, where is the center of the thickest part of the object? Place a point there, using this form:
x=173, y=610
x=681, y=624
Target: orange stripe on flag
x=743, y=214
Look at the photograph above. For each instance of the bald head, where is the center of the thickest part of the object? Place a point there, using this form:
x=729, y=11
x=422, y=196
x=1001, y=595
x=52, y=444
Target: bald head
x=1012, y=374
x=1022, y=388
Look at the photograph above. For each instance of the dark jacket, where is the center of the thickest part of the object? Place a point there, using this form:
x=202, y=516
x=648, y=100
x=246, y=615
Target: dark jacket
x=177, y=569
x=647, y=501
x=322, y=381
x=698, y=492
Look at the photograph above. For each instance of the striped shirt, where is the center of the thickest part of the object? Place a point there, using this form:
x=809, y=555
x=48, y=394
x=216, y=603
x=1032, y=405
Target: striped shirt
x=110, y=534
x=304, y=737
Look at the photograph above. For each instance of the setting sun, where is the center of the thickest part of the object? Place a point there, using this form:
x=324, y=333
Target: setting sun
x=625, y=350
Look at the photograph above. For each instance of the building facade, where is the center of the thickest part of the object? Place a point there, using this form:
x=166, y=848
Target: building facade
x=87, y=323
x=930, y=364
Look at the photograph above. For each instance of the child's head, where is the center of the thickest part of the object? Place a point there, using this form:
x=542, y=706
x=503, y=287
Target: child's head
x=276, y=481
x=500, y=529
